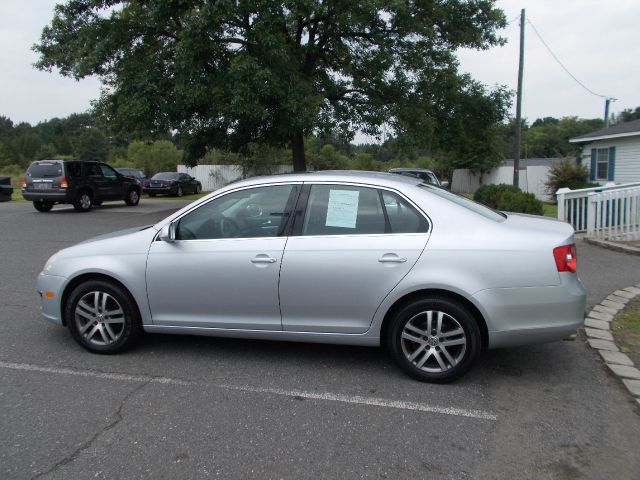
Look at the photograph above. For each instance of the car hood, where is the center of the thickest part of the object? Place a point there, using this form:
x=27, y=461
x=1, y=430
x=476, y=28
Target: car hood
x=118, y=233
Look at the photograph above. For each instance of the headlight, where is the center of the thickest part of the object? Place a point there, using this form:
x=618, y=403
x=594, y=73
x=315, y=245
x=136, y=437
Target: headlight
x=49, y=264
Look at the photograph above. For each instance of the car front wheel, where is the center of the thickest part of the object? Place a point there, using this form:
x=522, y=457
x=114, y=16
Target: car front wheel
x=434, y=340
x=102, y=317
x=179, y=191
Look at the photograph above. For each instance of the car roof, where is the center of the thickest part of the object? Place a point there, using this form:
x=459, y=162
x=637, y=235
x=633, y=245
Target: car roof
x=354, y=176
x=408, y=169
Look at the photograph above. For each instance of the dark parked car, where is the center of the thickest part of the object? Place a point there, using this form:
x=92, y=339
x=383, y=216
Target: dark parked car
x=82, y=184
x=425, y=175
x=171, y=183
x=6, y=190
x=132, y=172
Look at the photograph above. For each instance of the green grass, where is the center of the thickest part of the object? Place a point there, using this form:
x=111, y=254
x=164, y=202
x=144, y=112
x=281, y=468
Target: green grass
x=550, y=210
x=626, y=330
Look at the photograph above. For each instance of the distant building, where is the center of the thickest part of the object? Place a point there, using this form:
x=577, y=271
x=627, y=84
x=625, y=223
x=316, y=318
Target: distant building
x=612, y=154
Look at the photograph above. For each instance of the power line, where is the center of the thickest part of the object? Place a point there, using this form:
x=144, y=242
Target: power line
x=562, y=65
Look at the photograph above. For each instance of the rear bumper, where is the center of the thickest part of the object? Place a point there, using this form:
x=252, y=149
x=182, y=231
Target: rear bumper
x=44, y=196
x=160, y=190
x=522, y=316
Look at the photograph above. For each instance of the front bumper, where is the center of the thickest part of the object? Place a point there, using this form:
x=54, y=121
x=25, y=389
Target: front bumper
x=50, y=288
x=528, y=315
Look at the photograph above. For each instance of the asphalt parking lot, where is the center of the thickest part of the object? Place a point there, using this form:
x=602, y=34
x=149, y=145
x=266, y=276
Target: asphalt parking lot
x=190, y=407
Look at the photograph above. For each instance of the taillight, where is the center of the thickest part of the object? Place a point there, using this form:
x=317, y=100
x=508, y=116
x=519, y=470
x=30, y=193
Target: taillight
x=24, y=182
x=64, y=183
x=566, y=258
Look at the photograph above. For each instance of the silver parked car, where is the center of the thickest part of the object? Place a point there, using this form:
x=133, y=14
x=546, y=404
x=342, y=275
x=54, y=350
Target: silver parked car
x=335, y=257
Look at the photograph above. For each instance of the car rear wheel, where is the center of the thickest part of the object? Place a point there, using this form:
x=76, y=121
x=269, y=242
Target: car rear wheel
x=434, y=340
x=197, y=189
x=102, y=317
x=133, y=198
x=42, y=206
x=179, y=192
x=83, y=202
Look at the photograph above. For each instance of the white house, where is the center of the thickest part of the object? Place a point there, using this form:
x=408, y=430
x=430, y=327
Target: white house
x=612, y=154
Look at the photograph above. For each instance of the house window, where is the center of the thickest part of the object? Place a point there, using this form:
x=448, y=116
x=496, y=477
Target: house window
x=602, y=164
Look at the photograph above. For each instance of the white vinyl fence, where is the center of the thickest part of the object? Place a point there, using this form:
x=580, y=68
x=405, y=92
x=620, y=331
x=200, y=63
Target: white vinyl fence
x=531, y=179
x=586, y=209
x=614, y=215
x=213, y=177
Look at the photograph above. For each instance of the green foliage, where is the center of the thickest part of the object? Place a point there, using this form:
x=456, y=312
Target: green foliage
x=328, y=158
x=547, y=137
x=91, y=145
x=627, y=115
x=154, y=157
x=231, y=74
x=567, y=174
x=509, y=199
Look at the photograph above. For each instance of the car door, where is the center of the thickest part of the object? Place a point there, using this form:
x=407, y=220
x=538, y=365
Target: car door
x=349, y=249
x=96, y=180
x=113, y=181
x=222, y=270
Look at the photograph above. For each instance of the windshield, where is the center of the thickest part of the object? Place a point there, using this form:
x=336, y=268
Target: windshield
x=165, y=176
x=466, y=203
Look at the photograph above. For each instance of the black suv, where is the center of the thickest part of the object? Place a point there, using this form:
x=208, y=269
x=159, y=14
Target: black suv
x=83, y=184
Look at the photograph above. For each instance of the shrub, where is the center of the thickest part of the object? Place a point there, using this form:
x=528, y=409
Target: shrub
x=567, y=174
x=508, y=198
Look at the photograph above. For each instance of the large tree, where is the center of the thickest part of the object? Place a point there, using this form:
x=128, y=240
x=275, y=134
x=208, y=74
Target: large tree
x=228, y=73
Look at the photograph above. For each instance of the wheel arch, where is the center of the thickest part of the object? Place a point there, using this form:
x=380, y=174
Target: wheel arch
x=87, y=277
x=429, y=293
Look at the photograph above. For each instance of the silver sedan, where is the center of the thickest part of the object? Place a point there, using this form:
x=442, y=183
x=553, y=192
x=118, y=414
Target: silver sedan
x=334, y=257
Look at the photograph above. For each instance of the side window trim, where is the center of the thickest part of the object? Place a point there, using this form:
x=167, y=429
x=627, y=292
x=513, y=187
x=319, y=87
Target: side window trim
x=303, y=203
x=284, y=229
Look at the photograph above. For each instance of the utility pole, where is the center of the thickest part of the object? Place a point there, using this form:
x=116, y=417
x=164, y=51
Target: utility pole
x=516, y=156
x=607, y=102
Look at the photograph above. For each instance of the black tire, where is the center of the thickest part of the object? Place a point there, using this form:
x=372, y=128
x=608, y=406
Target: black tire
x=179, y=191
x=455, y=318
x=42, y=206
x=96, y=203
x=198, y=189
x=133, y=197
x=83, y=201
x=126, y=333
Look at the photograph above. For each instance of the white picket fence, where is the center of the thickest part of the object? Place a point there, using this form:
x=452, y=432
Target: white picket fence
x=601, y=211
x=213, y=177
x=532, y=179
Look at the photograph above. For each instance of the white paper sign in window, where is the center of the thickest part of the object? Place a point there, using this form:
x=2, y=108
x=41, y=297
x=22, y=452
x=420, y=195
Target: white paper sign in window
x=342, y=210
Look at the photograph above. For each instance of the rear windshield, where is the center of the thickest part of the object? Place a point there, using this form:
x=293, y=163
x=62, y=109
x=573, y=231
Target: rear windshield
x=165, y=176
x=466, y=203
x=45, y=170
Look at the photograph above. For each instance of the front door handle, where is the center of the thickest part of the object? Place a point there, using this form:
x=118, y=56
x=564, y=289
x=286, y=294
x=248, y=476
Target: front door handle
x=262, y=258
x=391, y=258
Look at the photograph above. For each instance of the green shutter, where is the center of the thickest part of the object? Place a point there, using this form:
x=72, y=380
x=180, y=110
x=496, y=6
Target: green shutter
x=594, y=164
x=612, y=164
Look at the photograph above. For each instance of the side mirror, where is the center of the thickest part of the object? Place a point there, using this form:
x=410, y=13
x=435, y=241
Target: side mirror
x=444, y=184
x=168, y=233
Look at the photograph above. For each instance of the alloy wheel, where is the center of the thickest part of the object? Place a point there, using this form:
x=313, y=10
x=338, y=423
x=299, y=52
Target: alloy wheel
x=99, y=318
x=433, y=341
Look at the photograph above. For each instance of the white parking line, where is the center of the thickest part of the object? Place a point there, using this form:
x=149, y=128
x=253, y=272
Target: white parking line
x=326, y=396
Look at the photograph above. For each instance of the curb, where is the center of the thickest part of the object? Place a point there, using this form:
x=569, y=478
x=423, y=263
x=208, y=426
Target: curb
x=597, y=326
x=612, y=246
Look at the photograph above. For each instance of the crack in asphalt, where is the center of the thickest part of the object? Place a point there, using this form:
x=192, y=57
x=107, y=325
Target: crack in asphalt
x=86, y=445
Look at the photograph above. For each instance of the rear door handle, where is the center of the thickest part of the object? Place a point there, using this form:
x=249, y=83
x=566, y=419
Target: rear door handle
x=262, y=258
x=391, y=258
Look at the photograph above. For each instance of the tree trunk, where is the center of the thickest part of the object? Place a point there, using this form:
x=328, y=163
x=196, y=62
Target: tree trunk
x=297, y=146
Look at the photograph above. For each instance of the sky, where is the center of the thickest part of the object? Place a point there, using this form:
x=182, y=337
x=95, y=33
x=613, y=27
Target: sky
x=598, y=41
